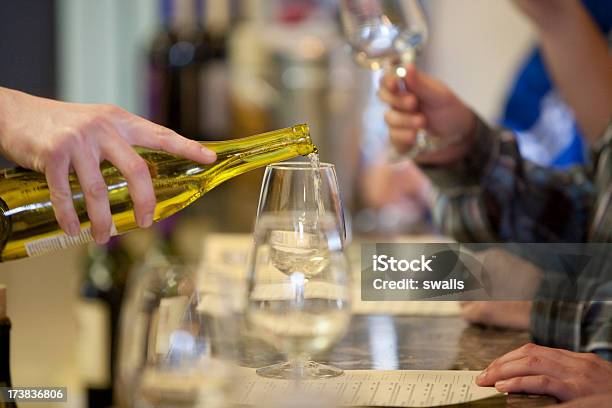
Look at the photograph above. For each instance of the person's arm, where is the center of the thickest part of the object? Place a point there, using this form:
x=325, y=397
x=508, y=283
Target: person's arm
x=487, y=191
x=576, y=55
x=493, y=194
x=597, y=400
x=54, y=138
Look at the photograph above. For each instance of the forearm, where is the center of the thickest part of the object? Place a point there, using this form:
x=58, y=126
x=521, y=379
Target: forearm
x=578, y=326
x=577, y=57
x=14, y=121
x=494, y=193
x=5, y=103
x=12, y=103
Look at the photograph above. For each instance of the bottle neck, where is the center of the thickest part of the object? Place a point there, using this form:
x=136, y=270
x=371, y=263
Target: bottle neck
x=235, y=157
x=297, y=138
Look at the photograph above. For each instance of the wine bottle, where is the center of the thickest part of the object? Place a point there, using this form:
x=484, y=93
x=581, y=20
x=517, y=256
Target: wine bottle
x=160, y=84
x=28, y=226
x=216, y=19
x=176, y=55
x=106, y=270
x=5, y=349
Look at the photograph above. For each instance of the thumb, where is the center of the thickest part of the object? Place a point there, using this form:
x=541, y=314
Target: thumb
x=429, y=90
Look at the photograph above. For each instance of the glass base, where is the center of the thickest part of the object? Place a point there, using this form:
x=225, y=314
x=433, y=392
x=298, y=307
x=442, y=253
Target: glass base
x=309, y=371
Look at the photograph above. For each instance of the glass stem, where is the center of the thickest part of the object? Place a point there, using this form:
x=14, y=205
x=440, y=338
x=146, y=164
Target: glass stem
x=299, y=360
x=400, y=72
x=299, y=365
x=421, y=142
x=298, y=281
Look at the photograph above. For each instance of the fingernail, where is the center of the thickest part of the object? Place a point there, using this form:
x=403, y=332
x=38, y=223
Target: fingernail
x=146, y=220
x=74, y=228
x=501, y=385
x=101, y=240
x=209, y=154
x=482, y=375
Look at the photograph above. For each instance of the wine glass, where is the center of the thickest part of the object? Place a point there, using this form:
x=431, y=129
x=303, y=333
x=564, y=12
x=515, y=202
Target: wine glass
x=178, y=336
x=309, y=188
x=298, y=291
x=387, y=34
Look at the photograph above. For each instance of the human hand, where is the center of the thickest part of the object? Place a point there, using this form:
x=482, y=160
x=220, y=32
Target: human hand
x=430, y=105
x=593, y=401
x=535, y=369
x=508, y=314
x=506, y=275
x=54, y=137
x=388, y=183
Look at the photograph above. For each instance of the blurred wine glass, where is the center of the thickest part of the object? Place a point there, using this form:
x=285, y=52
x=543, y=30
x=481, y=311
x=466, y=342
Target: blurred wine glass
x=298, y=291
x=177, y=337
x=387, y=35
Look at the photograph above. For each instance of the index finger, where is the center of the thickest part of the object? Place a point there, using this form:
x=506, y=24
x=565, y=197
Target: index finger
x=389, y=82
x=522, y=367
x=531, y=349
x=148, y=134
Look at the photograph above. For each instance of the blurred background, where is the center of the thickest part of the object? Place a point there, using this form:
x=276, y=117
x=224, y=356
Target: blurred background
x=214, y=70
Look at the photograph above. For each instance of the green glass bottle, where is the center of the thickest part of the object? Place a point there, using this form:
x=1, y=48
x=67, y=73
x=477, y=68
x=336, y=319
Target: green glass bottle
x=28, y=226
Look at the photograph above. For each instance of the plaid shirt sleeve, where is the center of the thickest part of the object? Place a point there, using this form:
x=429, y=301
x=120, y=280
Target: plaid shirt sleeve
x=577, y=315
x=495, y=195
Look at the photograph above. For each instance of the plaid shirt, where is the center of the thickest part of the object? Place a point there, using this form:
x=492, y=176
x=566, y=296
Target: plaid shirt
x=494, y=195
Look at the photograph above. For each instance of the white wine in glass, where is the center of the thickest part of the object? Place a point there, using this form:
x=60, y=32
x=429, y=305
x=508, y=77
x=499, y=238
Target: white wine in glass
x=299, y=304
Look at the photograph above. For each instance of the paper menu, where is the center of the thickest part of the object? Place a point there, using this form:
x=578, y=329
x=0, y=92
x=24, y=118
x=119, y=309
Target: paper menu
x=397, y=388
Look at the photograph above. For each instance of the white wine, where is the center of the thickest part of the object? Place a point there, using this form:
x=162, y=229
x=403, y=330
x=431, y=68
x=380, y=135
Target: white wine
x=28, y=226
x=306, y=253
x=379, y=44
x=313, y=330
x=315, y=164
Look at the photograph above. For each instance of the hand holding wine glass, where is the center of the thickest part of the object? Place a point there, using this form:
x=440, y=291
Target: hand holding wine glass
x=432, y=105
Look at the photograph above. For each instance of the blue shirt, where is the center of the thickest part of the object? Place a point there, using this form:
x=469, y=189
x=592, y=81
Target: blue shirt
x=545, y=126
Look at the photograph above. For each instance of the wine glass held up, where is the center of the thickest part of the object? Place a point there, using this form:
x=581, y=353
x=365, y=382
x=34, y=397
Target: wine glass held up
x=388, y=34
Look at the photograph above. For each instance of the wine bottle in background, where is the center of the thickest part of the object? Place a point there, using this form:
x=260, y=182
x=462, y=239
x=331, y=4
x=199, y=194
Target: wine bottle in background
x=159, y=79
x=251, y=96
x=216, y=24
x=105, y=275
x=27, y=221
x=176, y=55
x=5, y=348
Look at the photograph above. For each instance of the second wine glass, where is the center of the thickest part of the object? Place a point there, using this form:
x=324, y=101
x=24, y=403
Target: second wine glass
x=387, y=35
